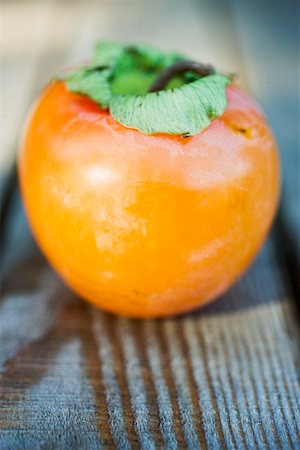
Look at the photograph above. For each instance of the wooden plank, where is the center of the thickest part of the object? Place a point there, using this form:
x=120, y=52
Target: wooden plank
x=76, y=377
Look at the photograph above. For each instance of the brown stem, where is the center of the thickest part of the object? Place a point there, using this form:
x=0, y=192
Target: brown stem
x=180, y=67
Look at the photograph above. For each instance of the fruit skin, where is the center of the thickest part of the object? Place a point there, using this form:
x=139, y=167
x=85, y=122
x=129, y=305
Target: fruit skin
x=147, y=226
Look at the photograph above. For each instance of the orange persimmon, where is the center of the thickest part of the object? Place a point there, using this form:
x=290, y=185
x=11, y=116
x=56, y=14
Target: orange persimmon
x=147, y=225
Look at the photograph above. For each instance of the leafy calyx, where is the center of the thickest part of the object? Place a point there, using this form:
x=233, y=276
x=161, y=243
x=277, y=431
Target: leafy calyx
x=149, y=90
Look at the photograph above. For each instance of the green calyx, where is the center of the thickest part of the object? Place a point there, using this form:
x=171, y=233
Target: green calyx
x=119, y=78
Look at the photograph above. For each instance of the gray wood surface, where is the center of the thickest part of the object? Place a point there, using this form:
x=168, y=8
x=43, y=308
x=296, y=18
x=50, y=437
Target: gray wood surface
x=226, y=376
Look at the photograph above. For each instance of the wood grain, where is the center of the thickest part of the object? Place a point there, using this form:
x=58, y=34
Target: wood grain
x=226, y=376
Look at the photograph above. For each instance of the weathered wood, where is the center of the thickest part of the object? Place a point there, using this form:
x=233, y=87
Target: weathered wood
x=226, y=376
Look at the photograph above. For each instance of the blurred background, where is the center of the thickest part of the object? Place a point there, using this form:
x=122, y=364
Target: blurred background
x=68, y=369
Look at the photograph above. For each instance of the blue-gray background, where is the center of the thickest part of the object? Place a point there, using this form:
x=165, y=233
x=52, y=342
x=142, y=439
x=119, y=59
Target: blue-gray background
x=224, y=377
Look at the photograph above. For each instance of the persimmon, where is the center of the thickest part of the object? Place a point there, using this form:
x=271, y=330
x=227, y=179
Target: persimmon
x=147, y=224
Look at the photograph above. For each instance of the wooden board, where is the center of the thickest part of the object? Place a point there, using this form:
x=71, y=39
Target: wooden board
x=227, y=376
